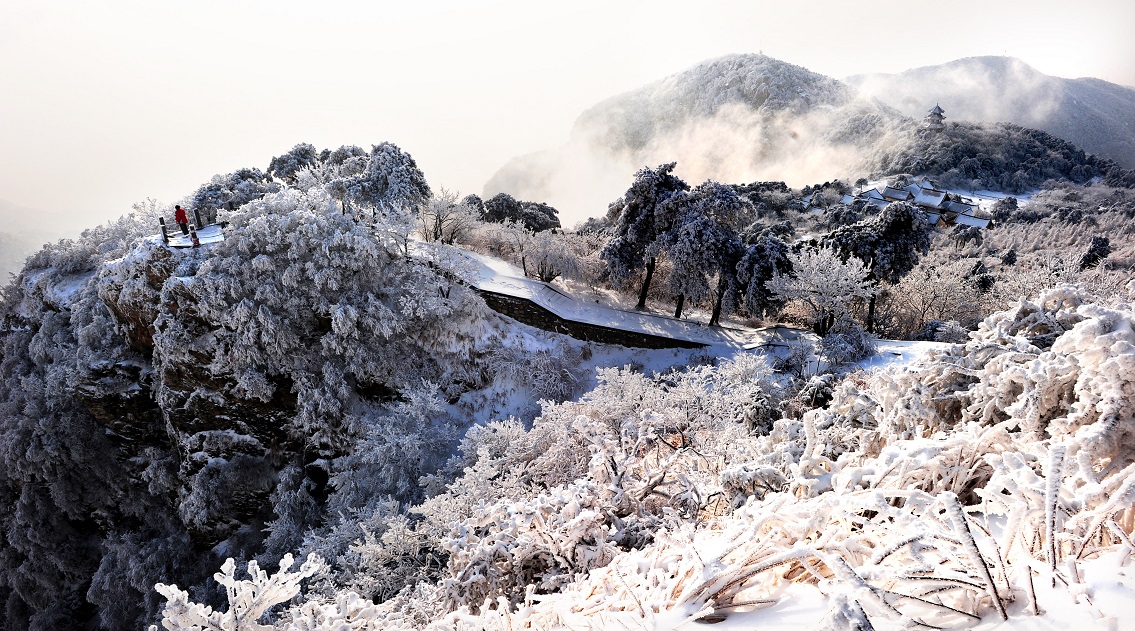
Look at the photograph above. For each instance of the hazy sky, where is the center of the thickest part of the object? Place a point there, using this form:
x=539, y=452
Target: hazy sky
x=103, y=104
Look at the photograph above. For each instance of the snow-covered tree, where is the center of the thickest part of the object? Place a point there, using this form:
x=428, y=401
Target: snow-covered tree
x=391, y=185
x=554, y=254
x=231, y=191
x=446, y=220
x=287, y=166
x=765, y=257
x=636, y=225
x=701, y=242
x=888, y=244
x=824, y=284
x=534, y=216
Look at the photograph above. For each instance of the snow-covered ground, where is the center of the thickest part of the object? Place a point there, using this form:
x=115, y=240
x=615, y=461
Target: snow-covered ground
x=205, y=236
x=898, y=353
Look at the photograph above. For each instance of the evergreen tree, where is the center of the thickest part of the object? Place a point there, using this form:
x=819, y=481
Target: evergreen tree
x=701, y=242
x=765, y=257
x=636, y=225
x=534, y=216
x=288, y=166
x=889, y=244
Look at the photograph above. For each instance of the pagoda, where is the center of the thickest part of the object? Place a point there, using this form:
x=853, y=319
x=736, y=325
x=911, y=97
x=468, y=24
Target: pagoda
x=935, y=120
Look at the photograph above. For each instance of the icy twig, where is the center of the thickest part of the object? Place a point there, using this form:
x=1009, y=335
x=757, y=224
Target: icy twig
x=1051, y=497
x=954, y=510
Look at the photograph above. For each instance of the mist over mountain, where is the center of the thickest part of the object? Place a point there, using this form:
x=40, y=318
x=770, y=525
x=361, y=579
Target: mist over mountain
x=735, y=118
x=25, y=230
x=1096, y=115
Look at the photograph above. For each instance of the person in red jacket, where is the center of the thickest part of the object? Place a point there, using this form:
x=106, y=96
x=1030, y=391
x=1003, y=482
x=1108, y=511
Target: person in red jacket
x=182, y=220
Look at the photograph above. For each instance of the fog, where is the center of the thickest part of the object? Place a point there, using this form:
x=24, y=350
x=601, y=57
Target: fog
x=1096, y=116
x=106, y=104
x=984, y=90
x=740, y=118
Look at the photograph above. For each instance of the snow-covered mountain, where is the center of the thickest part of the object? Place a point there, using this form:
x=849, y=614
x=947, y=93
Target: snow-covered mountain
x=737, y=118
x=743, y=118
x=1096, y=115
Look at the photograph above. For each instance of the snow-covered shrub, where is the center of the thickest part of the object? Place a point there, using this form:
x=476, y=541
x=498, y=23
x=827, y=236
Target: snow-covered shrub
x=396, y=449
x=546, y=541
x=249, y=600
x=845, y=343
x=550, y=373
x=950, y=331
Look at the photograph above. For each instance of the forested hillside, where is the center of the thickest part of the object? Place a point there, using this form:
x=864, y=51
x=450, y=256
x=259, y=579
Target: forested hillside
x=1095, y=115
x=167, y=408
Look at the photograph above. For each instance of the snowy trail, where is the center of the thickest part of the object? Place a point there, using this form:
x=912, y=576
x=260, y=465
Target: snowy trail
x=206, y=235
x=494, y=275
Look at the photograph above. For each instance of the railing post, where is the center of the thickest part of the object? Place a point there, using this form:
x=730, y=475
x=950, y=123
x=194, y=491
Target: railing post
x=197, y=215
x=165, y=235
x=193, y=236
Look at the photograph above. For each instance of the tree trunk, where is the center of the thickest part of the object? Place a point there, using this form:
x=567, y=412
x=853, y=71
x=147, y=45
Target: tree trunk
x=646, y=284
x=715, y=319
x=681, y=303
x=871, y=315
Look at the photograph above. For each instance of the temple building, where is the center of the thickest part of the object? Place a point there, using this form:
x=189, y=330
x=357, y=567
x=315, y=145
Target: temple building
x=935, y=120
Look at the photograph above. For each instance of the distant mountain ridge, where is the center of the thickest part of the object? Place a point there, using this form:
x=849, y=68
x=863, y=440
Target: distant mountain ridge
x=1093, y=114
x=766, y=85
x=734, y=118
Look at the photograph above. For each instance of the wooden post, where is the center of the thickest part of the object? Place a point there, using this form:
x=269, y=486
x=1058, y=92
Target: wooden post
x=197, y=216
x=165, y=235
x=193, y=236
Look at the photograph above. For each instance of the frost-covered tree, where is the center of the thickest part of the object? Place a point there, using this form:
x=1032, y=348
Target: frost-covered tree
x=390, y=185
x=534, y=216
x=636, y=225
x=763, y=258
x=701, y=242
x=939, y=292
x=231, y=191
x=287, y=166
x=824, y=284
x=445, y=219
x=553, y=254
x=888, y=244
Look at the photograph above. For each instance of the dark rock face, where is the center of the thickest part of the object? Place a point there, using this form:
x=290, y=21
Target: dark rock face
x=120, y=400
x=136, y=309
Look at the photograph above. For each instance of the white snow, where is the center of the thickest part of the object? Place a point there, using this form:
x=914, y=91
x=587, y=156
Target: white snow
x=898, y=353
x=205, y=235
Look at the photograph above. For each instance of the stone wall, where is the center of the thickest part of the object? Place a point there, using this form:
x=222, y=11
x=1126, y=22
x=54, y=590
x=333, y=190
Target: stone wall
x=527, y=312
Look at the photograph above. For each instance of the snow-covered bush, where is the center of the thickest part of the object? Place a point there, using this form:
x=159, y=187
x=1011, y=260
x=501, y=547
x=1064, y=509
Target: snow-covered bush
x=249, y=600
x=845, y=343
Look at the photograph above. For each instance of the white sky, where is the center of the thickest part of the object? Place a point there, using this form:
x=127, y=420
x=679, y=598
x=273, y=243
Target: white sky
x=103, y=104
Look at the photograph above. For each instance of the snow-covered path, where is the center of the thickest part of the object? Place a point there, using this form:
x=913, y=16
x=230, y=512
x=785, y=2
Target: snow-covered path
x=493, y=275
x=206, y=235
